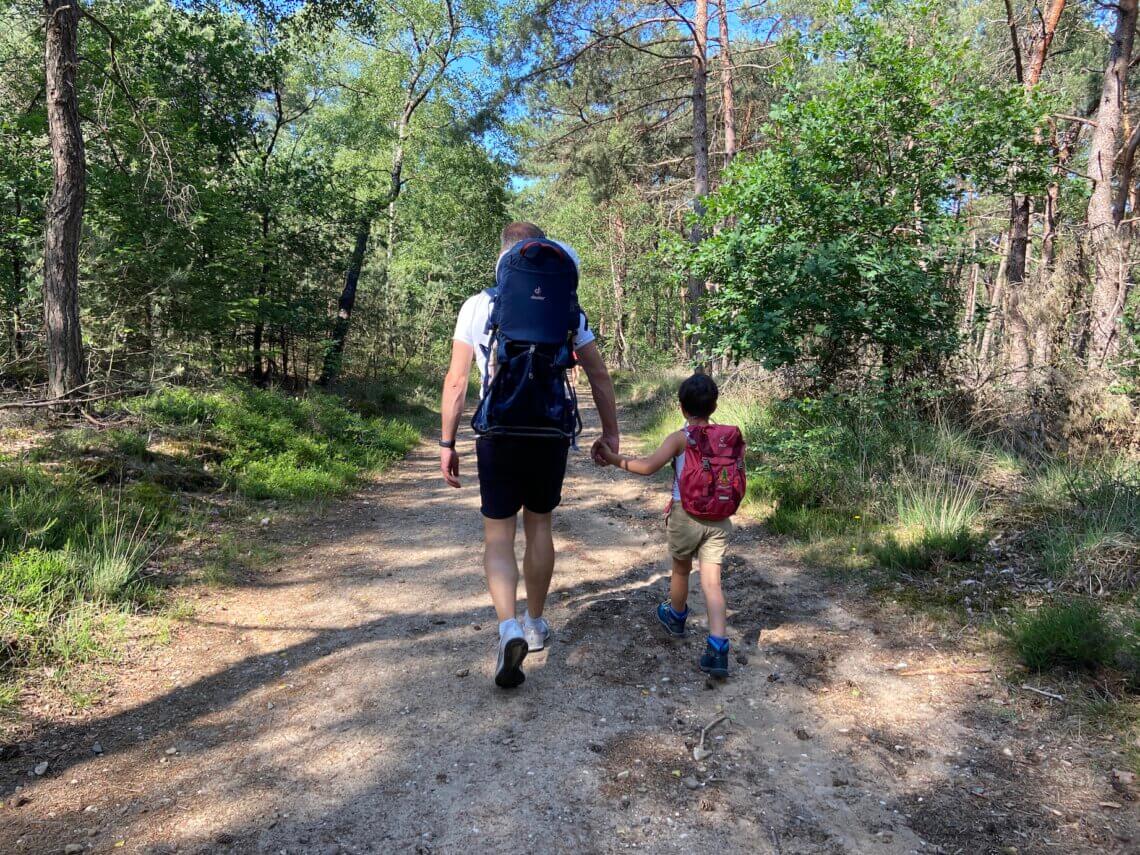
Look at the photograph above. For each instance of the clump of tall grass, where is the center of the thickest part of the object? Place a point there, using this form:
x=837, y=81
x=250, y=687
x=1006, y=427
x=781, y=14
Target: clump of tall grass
x=936, y=520
x=1086, y=524
x=55, y=591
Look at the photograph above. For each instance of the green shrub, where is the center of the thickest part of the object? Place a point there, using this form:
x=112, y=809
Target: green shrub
x=1075, y=634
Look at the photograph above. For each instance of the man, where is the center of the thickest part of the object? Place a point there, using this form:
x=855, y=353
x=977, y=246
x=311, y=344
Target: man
x=516, y=473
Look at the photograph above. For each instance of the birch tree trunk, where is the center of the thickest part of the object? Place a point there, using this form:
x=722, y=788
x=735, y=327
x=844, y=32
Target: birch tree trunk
x=1107, y=248
x=64, y=215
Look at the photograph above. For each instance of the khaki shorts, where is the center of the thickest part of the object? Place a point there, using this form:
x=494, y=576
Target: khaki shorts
x=688, y=537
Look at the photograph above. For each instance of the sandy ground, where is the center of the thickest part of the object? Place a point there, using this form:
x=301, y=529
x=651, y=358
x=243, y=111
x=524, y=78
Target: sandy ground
x=341, y=701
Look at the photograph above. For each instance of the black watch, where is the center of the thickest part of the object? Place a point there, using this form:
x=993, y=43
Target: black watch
x=447, y=443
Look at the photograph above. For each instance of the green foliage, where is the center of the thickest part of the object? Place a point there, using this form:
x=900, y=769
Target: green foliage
x=53, y=597
x=82, y=518
x=273, y=446
x=838, y=242
x=1074, y=634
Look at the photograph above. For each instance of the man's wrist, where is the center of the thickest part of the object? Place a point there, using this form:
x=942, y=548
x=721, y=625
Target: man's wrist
x=447, y=443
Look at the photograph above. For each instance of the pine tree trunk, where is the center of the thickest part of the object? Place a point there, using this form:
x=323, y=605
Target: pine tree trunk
x=727, y=94
x=1106, y=245
x=1019, y=356
x=617, y=277
x=335, y=352
x=64, y=215
x=696, y=288
x=1015, y=283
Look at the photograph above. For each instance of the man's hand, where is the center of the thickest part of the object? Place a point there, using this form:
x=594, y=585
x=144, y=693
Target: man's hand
x=449, y=465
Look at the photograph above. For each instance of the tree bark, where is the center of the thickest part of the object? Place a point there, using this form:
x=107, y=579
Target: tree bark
x=258, y=371
x=16, y=293
x=696, y=288
x=727, y=93
x=64, y=215
x=345, y=305
x=618, y=272
x=1041, y=48
x=335, y=352
x=1106, y=243
x=1020, y=204
x=396, y=178
x=1015, y=284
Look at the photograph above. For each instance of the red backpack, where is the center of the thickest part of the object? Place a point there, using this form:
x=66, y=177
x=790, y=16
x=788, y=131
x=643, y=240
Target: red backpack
x=712, y=479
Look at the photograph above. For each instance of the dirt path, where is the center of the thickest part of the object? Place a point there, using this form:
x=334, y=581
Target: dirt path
x=342, y=702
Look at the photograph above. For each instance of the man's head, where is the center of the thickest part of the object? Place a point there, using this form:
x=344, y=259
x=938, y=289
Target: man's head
x=698, y=396
x=514, y=232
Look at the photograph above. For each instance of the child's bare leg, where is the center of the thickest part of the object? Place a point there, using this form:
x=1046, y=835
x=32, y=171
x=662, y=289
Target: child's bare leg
x=714, y=598
x=679, y=584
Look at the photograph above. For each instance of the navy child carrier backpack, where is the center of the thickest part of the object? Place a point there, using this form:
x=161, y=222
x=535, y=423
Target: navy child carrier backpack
x=534, y=316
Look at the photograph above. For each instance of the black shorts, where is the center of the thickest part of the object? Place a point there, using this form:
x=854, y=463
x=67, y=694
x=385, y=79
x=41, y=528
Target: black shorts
x=520, y=472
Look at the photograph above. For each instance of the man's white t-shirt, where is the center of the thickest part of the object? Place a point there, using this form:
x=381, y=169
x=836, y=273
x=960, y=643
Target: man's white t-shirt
x=471, y=328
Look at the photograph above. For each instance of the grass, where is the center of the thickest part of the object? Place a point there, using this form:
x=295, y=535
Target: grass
x=1074, y=634
x=266, y=445
x=83, y=514
x=1087, y=523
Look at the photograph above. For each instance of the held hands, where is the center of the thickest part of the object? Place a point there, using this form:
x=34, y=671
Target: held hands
x=449, y=465
x=605, y=449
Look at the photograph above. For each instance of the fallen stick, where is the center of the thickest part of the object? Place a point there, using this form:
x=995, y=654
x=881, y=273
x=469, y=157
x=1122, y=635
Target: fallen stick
x=710, y=726
x=925, y=671
x=700, y=753
x=1042, y=692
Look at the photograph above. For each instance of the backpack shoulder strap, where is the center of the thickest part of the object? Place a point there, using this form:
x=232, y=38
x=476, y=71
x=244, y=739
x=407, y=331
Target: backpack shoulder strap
x=493, y=294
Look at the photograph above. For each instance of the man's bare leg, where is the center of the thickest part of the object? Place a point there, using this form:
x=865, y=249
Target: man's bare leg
x=499, y=564
x=538, y=560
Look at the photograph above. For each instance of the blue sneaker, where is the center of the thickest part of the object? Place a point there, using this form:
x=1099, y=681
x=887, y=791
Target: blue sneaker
x=714, y=661
x=675, y=626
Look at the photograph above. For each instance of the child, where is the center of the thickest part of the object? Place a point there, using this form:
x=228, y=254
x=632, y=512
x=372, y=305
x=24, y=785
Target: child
x=686, y=535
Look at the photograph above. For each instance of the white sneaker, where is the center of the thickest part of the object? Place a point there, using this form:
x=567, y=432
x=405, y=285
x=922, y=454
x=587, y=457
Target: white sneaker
x=537, y=633
x=512, y=651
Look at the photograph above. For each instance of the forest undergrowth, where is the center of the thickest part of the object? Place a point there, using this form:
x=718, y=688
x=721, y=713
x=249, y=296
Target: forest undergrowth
x=92, y=518
x=1040, y=554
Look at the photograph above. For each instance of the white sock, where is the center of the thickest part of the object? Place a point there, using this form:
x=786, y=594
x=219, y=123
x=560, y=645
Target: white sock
x=531, y=621
x=505, y=626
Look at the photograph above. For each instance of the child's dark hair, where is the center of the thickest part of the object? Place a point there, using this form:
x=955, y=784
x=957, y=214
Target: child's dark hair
x=698, y=396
